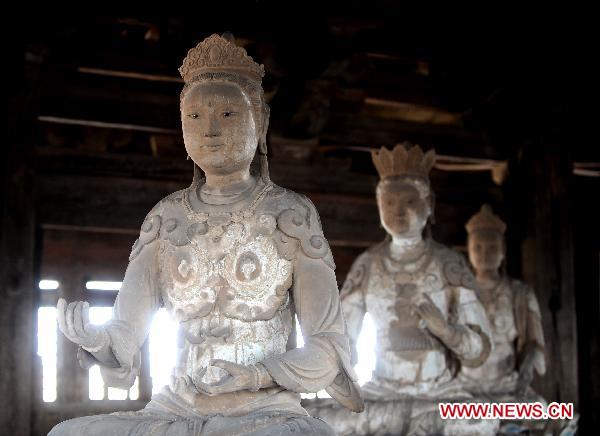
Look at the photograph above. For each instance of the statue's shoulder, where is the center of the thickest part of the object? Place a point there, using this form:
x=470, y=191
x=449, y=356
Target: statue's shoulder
x=298, y=220
x=378, y=249
x=453, y=265
x=164, y=218
x=172, y=202
x=519, y=287
x=524, y=295
x=281, y=199
x=366, y=257
x=358, y=276
x=374, y=252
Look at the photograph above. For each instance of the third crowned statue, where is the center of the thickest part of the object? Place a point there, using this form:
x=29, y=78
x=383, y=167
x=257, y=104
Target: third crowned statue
x=515, y=319
x=514, y=315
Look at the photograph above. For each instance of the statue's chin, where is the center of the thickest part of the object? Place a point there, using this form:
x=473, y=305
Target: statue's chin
x=490, y=267
x=402, y=232
x=218, y=165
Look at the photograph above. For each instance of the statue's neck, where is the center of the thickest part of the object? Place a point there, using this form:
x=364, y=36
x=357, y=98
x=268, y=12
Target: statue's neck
x=487, y=278
x=227, y=188
x=407, y=248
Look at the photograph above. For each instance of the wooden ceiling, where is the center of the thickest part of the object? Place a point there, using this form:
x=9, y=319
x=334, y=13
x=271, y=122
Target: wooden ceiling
x=341, y=79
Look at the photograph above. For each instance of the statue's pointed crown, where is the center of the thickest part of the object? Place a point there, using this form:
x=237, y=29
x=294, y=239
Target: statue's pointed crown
x=403, y=160
x=219, y=54
x=485, y=219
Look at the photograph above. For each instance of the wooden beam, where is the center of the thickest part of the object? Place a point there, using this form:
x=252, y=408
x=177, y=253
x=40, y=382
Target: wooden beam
x=411, y=112
x=130, y=75
x=107, y=125
x=362, y=129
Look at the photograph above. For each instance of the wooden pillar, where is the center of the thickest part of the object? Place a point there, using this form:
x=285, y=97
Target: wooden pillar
x=548, y=258
x=587, y=283
x=17, y=237
x=16, y=310
x=72, y=379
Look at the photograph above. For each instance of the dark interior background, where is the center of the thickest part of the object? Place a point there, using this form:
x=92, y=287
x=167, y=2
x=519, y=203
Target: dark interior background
x=93, y=141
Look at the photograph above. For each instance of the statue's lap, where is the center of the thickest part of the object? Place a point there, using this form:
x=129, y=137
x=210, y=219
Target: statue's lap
x=140, y=423
x=167, y=414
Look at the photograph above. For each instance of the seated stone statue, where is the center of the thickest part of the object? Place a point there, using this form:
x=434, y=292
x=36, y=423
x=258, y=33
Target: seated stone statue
x=428, y=319
x=233, y=258
x=514, y=315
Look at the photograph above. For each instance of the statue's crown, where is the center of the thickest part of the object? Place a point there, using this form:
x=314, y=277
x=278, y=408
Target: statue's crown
x=219, y=53
x=403, y=160
x=485, y=219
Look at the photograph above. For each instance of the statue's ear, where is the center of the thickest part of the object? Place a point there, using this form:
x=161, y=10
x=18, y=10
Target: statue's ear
x=262, y=143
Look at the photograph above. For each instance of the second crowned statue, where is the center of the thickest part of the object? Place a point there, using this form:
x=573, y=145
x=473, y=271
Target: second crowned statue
x=428, y=319
x=233, y=258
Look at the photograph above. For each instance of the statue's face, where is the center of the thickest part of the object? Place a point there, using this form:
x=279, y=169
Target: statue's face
x=486, y=249
x=219, y=127
x=403, y=209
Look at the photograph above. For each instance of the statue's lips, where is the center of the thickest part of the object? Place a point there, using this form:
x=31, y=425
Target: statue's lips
x=213, y=147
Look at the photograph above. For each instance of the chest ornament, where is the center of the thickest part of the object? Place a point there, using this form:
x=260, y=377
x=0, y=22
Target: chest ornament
x=230, y=265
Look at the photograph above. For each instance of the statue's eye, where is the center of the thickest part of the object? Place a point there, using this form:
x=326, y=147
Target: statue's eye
x=194, y=115
x=228, y=114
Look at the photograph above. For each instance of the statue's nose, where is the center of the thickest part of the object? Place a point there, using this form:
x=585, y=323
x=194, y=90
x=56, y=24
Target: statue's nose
x=212, y=126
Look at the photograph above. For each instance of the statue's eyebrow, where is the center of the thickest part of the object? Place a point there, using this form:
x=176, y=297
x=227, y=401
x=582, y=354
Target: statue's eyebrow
x=220, y=99
x=214, y=101
x=194, y=105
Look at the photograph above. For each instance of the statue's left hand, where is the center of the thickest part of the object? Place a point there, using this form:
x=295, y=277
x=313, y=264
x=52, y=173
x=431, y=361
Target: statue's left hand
x=525, y=372
x=240, y=377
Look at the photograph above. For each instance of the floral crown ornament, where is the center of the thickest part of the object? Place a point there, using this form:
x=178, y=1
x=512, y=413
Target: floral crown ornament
x=485, y=219
x=219, y=54
x=403, y=160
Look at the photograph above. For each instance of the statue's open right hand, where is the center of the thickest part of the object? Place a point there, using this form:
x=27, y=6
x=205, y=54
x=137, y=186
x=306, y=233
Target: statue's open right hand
x=74, y=322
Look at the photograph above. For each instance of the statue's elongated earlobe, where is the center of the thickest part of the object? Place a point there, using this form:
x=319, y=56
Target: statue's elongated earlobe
x=262, y=145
